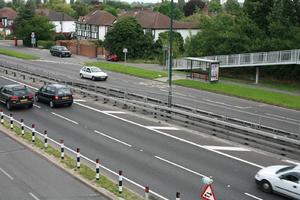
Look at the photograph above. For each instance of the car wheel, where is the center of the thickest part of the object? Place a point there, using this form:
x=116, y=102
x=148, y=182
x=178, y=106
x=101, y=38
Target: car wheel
x=30, y=105
x=93, y=78
x=8, y=105
x=70, y=104
x=81, y=76
x=266, y=186
x=105, y=79
x=51, y=104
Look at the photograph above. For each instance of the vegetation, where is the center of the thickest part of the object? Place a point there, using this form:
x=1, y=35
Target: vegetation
x=45, y=44
x=125, y=69
x=275, y=98
x=16, y=54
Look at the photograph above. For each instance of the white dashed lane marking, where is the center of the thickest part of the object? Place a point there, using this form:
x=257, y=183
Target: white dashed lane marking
x=226, y=148
x=112, y=138
x=64, y=118
x=33, y=196
x=7, y=174
x=255, y=197
x=113, y=112
x=162, y=128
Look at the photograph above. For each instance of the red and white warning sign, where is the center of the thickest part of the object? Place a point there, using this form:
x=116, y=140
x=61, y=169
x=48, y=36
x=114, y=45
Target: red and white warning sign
x=208, y=193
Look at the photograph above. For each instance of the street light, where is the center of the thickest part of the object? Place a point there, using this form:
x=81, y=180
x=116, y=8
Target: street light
x=170, y=56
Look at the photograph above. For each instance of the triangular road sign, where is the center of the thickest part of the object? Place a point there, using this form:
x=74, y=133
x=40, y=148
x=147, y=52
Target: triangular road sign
x=208, y=193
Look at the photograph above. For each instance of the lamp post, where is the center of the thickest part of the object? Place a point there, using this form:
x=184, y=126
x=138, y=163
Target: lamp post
x=170, y=56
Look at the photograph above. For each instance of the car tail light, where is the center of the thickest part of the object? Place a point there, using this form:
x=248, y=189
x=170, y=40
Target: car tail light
x=30, y=96
x=14, y=98
x=56, y=97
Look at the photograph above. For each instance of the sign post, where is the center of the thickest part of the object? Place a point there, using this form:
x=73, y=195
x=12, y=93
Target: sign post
x=33, y=40
x=125, y=50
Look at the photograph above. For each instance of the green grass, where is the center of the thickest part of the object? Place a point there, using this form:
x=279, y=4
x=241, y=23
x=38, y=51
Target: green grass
x=124, y=69
x=275, y=98
x=16, y=54
x=69, y=162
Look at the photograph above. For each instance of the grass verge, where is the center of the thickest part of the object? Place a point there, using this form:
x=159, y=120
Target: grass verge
x=274, y=98
x=124, y=69
x=16, y=54
x=84, y=171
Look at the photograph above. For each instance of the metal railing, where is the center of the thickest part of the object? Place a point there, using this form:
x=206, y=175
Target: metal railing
x=286, y=57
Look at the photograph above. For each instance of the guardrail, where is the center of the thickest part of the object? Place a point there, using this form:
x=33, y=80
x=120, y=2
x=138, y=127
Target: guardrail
x=256, y=135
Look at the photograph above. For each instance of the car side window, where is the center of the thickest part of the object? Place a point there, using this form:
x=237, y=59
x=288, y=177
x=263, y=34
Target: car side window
x=6, y=91
x=290, y=177
x=88, y=70
x=50, y=90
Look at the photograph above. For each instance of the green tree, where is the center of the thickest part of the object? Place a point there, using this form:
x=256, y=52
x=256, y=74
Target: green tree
x=233, y=7
x=2, y=4
x=192, y=6
x=181, y=4
x=163, y=40
x=81, y=9
x=61, y=6
x=214, y=6
x=165, y=8
x=111, y=10
x=127, y=33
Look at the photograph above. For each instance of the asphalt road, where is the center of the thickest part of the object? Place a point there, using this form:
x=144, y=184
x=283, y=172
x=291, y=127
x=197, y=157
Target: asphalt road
x=280, y=118
x=25, y=175
x=165, y=157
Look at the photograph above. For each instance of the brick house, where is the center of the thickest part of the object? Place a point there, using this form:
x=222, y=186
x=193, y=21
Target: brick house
x=7, y=17
x=63, y=22
x=94, y=25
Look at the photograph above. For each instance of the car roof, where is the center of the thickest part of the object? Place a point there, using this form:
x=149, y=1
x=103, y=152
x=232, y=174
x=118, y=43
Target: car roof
x=57, y=85
x=12, y=86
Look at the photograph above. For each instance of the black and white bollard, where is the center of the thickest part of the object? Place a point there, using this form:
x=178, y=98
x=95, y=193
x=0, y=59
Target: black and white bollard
x=78, y=158
x=62, y=150
x=177, y=195
x=146, y=192
x=2, y=116
x=32, y=133
x=120, y=182
x=22, y=127
x=45, y=139
x=97, y=170
x=11, y=121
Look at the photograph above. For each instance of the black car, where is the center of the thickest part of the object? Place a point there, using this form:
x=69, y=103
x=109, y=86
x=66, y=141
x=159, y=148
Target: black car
x=54, y=95
x=60, y=51
x=16, y=95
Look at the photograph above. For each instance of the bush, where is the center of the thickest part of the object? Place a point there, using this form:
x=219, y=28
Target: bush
x=60, y=37
x=46, y=44
x=9, y=37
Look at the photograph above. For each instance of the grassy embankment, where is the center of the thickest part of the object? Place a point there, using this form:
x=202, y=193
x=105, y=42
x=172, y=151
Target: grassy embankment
x=70, y=163
x=16, y=54
x=246, y=92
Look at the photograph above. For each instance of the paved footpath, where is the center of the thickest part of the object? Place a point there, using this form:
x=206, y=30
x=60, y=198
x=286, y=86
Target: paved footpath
x=26, y=176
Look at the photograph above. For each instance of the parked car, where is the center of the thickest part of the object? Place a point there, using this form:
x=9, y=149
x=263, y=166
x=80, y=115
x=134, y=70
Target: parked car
x=54, y=95
x=16, y=95
x=94, y=73
x=112, y=57
x=281, y=179
x=60, y=51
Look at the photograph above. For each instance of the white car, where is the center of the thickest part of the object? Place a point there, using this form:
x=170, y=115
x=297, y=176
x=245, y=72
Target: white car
x=94, y=73
x=281, y=179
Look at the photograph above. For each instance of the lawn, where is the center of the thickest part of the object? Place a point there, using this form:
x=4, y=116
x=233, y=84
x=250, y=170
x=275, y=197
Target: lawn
x=261, y=95
x=16, y=54
x=124, y=69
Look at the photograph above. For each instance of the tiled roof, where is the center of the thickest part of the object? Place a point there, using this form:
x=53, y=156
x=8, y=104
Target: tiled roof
x=9, y=13
x=156, y=20
x=54, y=16
x=98, y=17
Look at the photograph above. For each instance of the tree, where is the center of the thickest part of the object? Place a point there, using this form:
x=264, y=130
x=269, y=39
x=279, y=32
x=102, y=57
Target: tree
x=192, y=6
x=214, y=6
x=61, y=6
x=127, y=33
x=233, y=7
x=111, y=10
x=165, y=8
x=81, y=9
x=163, y=40
x=2, y=4
x=181, y=4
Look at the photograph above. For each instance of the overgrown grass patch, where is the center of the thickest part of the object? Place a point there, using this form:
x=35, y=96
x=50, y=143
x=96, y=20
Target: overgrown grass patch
x=16, y=54
x=125, y=69
x=261, y=95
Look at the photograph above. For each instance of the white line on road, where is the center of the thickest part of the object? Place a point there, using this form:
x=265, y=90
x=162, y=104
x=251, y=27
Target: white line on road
x=162, y=128
x=113, y=112
x=33, y=196
x=180, y=166
x=36, y=106
x=7, y=174
x=255, y=197
x=79, y=100
x=112, y=138
x=225, y=104
x=226, y=148
x=64, y=118
x=292, y=162
x=282, y=117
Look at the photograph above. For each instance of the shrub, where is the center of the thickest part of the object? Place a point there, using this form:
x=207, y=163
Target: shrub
x=45, y=44
x=60, y=37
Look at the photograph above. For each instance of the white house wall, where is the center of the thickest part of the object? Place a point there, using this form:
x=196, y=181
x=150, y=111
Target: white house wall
x=102, y=32
x=185, y=33
x=67, y=26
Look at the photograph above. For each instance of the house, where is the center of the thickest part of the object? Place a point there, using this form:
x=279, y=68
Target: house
x=63, y=22
x=94, y=25
x=156, y=23
x=7, y=17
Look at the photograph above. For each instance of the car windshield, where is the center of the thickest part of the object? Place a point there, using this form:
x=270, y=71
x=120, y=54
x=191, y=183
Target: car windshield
x=20, y=91
x=284, y=169
x=64, y=91
x=96, y=69
x=63, y=48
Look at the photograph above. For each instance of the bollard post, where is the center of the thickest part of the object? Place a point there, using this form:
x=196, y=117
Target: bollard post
x=177, y=195
x=11, y=121
x=32, y=133
x=97, y=170
x=45, y=139
x=120, y=182
x=62, y=150
x=22, y=127
x=2, y=116
x=147, y=192
x=78, y=158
